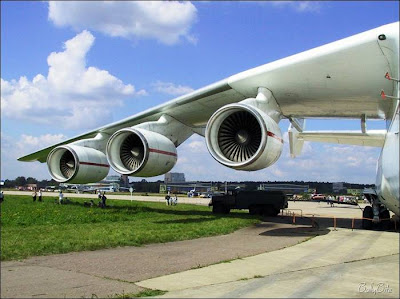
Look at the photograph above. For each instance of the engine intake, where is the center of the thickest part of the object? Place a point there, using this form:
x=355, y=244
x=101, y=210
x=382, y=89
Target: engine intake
x=139, y=152
x=243, y=137
x=77, y=164
x=239, y=136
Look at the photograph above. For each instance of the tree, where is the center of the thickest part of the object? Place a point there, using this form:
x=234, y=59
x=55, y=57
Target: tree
x=9, y=183
x=20, y=181
x=31, y=180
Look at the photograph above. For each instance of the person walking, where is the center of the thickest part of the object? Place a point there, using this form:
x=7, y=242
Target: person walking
x=1, y=196
x=103, y=200
x=40, y=195
x=34, y=195
x=60, y=197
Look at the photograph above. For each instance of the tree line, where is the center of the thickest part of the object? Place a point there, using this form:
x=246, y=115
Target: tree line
x=21, y=181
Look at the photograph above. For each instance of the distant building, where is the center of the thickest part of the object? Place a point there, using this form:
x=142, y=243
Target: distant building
x=185, y=187
x=339, y=187
x=356, y=192
x=31, y=186
x=125, y=180
x=287, y=188
x=174, y=177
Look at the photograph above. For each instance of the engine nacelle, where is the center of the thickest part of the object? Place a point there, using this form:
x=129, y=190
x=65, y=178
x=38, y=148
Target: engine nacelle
x=243, y=137
x=139, y=152
x=77, y=164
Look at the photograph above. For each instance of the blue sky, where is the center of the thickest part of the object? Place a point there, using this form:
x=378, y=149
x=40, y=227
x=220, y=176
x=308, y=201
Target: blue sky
x=126, y=57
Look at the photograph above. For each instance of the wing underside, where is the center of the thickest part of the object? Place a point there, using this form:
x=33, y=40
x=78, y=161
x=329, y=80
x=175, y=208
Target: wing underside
x=339, y=80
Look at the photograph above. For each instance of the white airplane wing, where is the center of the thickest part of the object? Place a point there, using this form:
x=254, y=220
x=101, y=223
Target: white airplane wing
x=192, y=109
x=343, y=79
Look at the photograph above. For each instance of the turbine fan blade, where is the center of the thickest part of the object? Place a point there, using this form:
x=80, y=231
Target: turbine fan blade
x=132, y=152
x=67, y=165
x=239, y=136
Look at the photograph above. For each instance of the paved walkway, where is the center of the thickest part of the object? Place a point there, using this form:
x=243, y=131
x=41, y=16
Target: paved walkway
x=343, y=263
x=115, y=271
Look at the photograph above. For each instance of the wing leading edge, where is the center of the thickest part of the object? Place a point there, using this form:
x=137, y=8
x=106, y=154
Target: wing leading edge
x=340, y=79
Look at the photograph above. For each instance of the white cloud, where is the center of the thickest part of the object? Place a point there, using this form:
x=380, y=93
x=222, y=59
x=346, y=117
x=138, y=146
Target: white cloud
x=12, y=149
x=198, y=146
x=165, y=21
x=72, y=96
x=320, y=162
x=31, y=143
x=171, y=88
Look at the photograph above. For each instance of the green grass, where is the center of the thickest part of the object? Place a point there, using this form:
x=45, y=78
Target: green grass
x=145, y=293
x=41, y=228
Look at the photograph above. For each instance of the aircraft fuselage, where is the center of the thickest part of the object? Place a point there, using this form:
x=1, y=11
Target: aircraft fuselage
x=387, y=181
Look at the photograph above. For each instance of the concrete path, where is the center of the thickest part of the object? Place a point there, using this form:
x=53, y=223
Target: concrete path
x=115, y=271
x=343, y=263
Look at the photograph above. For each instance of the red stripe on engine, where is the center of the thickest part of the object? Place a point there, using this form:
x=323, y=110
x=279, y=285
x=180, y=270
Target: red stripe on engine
x=153, y=150
x=274, y=136
x=94, y=164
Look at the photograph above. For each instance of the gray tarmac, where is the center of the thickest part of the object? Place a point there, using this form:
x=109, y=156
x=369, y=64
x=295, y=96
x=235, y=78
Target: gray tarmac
x=273, y=259
x=340, y=264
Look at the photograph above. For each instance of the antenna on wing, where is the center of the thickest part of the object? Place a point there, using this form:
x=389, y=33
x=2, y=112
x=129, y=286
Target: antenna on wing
x=387, y=76
x=384, y=96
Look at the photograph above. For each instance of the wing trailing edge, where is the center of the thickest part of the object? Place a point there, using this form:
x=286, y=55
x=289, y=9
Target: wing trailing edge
x=375, y=138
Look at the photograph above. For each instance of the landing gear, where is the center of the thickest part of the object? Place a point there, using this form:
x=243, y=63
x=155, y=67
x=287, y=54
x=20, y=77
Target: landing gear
x=377, y=215
x=380, y=222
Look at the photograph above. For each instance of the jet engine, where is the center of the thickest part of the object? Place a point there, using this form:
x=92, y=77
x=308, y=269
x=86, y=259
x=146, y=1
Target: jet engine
x=139, y=152
x=243, y=137
x=77, y=164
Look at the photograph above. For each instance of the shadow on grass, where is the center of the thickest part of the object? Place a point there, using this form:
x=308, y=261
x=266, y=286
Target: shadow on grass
x=169, y=210
x=189, y=220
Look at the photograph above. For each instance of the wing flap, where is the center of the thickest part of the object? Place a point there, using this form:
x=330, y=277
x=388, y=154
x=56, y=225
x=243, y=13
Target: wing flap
x=374, y=138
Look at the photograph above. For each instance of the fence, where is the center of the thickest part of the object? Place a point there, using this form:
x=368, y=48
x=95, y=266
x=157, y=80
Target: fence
x=314, y=223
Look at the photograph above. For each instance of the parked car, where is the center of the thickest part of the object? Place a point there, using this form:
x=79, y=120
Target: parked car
x=318, y=197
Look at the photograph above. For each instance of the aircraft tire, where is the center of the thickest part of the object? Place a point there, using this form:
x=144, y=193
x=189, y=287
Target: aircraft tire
x=367, y=213
x=385, y=223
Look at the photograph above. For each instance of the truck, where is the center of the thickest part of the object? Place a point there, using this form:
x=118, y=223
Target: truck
x=268, y=203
